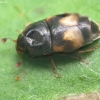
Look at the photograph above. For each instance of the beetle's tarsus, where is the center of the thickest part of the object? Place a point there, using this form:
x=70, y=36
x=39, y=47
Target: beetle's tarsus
x=18, y=64
x=57, y=75
x=17, y=78
x=80, y=58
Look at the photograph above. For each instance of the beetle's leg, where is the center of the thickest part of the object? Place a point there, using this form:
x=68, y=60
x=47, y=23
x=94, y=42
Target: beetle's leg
x=19, y=63
x=54, y=68
x=53, y=65
x=88, y=50
x=76, y=57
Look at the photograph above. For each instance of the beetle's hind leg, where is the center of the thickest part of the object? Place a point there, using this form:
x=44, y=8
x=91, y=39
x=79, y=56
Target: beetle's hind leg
x=83, y=51
x=54, y=68
x=75, y=57
x=88, y=50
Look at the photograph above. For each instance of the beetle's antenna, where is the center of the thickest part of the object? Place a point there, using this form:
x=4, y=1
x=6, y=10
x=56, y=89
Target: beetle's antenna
x=3, y=40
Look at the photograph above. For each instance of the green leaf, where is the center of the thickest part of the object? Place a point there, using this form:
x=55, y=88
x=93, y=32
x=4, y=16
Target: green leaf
x=34, y=79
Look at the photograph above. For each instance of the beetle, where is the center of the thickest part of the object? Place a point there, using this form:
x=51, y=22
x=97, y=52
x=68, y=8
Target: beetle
x=61, y=33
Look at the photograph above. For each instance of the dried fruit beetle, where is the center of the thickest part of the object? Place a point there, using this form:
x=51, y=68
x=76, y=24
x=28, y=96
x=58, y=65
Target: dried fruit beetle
x=60, y=33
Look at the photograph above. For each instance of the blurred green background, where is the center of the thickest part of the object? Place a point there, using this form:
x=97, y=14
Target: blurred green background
x=37, y=81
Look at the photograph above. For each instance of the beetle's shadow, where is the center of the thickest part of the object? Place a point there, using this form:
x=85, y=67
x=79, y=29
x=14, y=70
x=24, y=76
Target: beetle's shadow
x=44, y=62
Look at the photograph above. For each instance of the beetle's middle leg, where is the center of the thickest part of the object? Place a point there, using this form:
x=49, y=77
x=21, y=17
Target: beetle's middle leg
x=54, y=68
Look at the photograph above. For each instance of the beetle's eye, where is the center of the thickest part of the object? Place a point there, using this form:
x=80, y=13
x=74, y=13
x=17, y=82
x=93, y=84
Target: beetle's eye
x=34, y=38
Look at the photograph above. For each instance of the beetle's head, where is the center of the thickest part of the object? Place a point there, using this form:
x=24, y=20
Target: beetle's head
x=20, y=45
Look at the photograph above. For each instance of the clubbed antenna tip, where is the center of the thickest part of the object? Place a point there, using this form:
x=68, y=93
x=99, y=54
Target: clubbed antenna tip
x=3, y=40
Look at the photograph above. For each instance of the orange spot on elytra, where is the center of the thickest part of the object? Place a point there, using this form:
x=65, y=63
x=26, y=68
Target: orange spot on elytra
x=70, y=20
x=58, y=48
